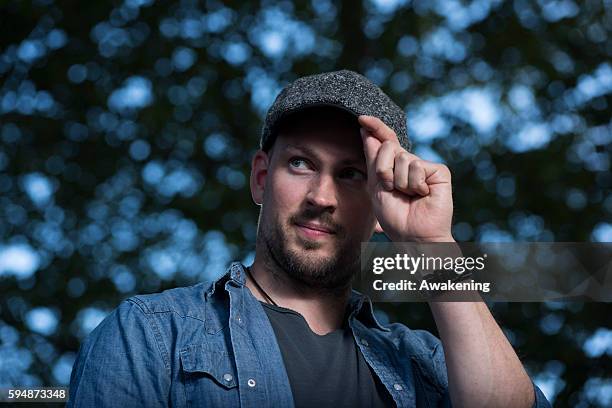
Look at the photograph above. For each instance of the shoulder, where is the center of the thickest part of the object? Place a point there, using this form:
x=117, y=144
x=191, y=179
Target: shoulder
x=185, y=301
x=149, y=315
x=148, y=319
x=412, y=341
x=404, y=339
x=422, y=340
x=145, y=314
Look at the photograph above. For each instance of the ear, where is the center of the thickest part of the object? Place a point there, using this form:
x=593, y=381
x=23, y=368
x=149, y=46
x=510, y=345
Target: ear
x=259, y=171
x=378, y=229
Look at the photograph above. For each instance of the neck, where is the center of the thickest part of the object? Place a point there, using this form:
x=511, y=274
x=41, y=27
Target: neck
x=323, y=310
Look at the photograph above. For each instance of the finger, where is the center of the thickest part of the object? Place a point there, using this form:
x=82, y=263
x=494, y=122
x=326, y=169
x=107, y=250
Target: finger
x=384, y=164
x=371, y=145
x=417, y=177
x=434, y=172
x=378, y=128
x=400, y=171
x=437, y=174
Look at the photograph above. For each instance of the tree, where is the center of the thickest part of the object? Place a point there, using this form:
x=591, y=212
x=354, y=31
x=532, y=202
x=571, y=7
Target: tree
x=126, y=133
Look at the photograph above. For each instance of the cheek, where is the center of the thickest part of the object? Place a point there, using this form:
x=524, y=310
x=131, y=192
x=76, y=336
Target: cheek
x=286, y=194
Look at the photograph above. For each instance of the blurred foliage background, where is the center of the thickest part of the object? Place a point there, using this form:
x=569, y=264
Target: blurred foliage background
x=127, y=129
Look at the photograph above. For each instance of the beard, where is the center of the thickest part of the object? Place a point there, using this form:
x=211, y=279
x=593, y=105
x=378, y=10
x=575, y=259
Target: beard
x=303, y=264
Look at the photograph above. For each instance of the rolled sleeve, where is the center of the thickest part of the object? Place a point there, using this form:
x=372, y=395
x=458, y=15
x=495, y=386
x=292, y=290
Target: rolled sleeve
x=121, y=363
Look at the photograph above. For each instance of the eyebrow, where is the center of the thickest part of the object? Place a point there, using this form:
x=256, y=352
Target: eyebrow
x=308, y=151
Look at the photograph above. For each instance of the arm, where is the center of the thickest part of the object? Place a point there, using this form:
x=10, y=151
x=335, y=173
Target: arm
x=412, y=200
x=483, y=369
x=120, y=364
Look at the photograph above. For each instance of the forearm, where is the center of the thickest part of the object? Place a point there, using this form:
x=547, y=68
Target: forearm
x=412, y=202
x=483, y=369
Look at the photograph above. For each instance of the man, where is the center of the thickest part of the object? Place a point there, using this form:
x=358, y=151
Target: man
x=333, y=168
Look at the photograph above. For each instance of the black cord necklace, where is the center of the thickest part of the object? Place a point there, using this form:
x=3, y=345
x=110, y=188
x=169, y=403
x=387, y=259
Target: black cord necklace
x=248, y=271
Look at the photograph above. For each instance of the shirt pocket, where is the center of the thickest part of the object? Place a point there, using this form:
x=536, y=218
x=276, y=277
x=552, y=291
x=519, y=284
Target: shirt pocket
x=210, y=377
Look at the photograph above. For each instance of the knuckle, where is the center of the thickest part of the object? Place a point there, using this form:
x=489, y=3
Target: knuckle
x=401, y=182
x=385, y=174
x=444, y=169
x=417, y=164
x=403, y=157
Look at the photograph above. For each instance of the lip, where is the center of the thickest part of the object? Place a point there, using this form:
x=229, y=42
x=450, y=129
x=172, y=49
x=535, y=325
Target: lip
x=316, y=227
x=314, y=230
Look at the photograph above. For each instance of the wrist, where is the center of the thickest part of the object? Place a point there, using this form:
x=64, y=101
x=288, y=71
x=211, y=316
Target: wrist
x=447, y=238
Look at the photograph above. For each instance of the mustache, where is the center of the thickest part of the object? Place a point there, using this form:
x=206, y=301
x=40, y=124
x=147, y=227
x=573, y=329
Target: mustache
x=322, y=218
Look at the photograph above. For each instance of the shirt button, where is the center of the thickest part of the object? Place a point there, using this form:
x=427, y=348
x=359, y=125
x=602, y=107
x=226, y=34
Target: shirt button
x=365, y=342
x=397, y=387
x=228, y=377
x=239, y=318
x=251, y=382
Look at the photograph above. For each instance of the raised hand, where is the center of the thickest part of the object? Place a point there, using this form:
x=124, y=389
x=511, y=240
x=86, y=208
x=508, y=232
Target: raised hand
x=412, y=198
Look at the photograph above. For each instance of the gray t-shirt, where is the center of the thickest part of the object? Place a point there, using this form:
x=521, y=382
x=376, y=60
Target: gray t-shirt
x=328, y=370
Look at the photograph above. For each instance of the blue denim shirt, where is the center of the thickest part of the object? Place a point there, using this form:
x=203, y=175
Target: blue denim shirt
x=211, y=345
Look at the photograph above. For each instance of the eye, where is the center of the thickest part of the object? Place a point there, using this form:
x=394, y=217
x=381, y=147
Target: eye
x=353, y=174
x=298, y=163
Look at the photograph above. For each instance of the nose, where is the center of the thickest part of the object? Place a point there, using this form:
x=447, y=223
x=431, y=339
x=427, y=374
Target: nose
x=322, y=193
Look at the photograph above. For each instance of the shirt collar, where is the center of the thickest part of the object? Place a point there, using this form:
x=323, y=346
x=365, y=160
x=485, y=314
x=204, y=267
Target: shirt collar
x=363, y=310
x=360, y=305
x=235, y=272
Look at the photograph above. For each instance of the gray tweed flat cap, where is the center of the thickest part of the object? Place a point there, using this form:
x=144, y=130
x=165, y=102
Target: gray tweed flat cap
x=344, y=89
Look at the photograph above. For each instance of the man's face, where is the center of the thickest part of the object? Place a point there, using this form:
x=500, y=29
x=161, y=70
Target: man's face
x=316, y=209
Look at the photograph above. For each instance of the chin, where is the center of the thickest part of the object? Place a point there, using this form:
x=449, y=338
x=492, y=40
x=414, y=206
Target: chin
x=310, y=246
x=314, y=255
